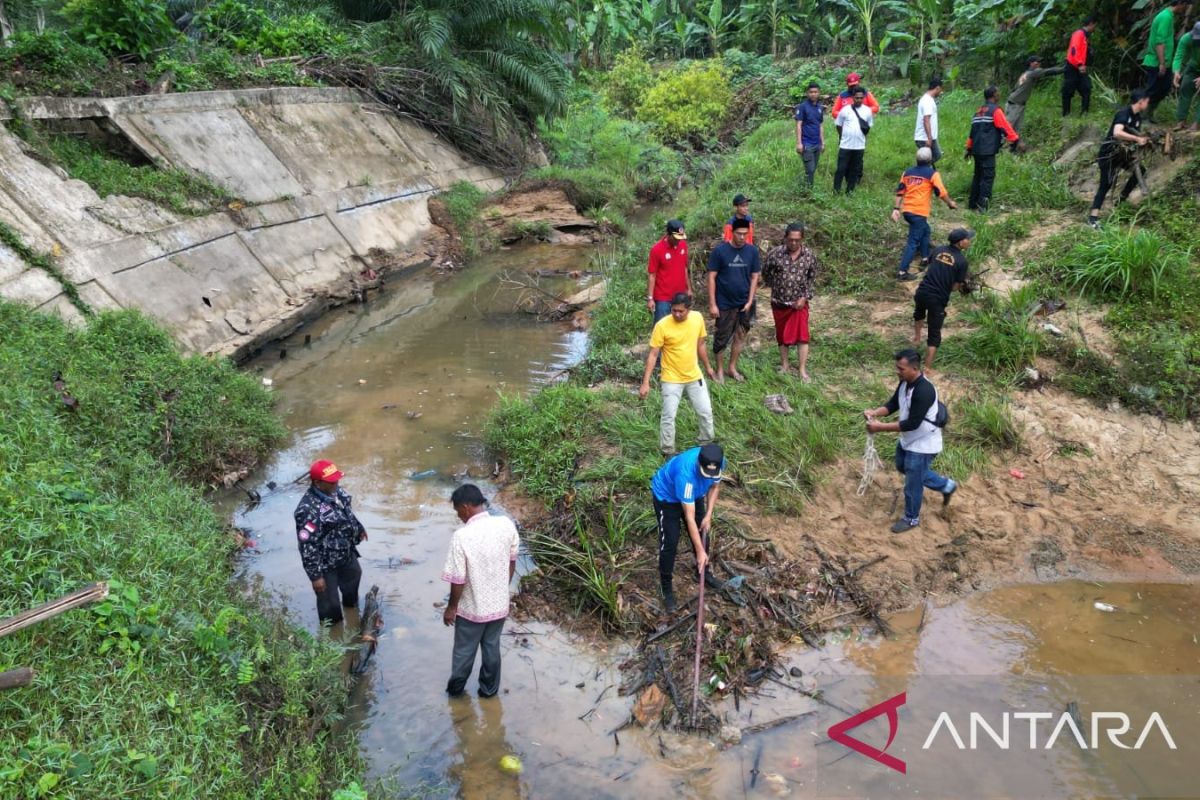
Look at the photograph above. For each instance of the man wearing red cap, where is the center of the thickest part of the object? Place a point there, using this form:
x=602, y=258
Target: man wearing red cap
x=328, y=533
x=847, y=97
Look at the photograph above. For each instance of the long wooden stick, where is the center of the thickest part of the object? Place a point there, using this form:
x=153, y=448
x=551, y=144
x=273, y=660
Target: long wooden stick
x=22, y=676
x=80, y=597
x=699, y=643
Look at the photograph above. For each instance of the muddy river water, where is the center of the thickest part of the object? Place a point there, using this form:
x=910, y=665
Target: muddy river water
x=395, y=392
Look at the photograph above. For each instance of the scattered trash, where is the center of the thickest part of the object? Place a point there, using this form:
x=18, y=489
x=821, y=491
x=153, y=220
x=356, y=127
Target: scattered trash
x=1103, y=607
x=388, y=406
x=422, y=475
x=1016, y=473
x=362, y=381
x=413, y=414
x=1146, y=393
x=1053, y=330
x=1050, y=306
x=510, y=764
x=796, y=672
x=730, y=734
x=777, y=403
x=777, y=784
x=267, y=382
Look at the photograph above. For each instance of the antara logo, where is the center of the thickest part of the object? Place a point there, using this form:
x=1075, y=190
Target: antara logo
x=1114, y=724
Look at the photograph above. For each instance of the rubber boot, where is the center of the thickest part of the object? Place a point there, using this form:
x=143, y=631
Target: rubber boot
x=669, y=604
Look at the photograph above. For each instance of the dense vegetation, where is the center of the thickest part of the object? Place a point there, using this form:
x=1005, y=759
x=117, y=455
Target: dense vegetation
x=177, y=685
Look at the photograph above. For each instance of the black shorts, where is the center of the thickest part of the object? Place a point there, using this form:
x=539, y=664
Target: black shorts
x=728, y=321
x=935, y=309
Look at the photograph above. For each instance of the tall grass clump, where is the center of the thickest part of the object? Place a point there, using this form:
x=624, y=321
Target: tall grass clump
x=175, y=686
x=1118, y=263
x=1003, y=339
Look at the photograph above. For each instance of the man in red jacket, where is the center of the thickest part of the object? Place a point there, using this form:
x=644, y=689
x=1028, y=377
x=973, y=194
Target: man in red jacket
x=1075, y=73
x=667, y=271
x=847, y=97
x=983, y=143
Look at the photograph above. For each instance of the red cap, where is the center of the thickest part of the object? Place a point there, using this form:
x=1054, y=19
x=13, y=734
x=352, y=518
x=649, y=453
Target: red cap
x=324, y=470
x=853, y=78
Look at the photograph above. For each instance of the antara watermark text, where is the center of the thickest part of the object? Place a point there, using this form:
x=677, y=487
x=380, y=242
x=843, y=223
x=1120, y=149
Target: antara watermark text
x=1115, y=725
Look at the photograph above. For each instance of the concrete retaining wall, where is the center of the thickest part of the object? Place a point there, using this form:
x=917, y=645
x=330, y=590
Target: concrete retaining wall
x=327, y=178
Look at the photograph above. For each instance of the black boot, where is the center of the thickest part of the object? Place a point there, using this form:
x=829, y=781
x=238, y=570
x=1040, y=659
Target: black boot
x=712, y=581
x=669, y=604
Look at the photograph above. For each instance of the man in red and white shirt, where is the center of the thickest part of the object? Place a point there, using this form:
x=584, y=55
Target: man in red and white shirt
x=479, y=569
x=668, y=270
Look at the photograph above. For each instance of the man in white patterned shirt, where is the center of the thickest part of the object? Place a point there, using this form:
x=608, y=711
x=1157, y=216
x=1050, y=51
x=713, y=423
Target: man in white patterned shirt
x=479, y=568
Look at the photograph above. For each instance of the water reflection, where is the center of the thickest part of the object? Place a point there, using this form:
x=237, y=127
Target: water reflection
x=482, y=743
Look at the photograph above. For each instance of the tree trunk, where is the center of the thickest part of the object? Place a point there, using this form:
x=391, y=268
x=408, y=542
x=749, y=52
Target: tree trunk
x=5, y=28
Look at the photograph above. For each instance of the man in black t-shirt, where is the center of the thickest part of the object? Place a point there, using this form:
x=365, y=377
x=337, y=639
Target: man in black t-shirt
x=947, y=271
x=1125, y=127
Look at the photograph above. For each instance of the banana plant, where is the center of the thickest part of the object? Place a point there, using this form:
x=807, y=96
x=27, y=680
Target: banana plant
x=717, y=25
x=771, y=20
x=868, y=14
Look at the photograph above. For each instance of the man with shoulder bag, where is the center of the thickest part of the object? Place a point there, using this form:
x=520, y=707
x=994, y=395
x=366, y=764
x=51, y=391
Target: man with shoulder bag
x=921, y=420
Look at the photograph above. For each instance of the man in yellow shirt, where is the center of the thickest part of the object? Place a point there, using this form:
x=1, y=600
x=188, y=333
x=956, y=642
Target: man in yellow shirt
x=680, y=338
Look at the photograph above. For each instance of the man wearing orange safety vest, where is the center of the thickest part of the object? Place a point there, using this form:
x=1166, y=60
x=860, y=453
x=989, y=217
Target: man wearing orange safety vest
x=847, y=97
x=1075, y=72
x=914, y=202
x=983, y=143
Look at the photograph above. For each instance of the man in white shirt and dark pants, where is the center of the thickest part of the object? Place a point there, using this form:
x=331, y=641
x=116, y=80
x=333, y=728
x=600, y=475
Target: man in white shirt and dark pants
x=853, y=124
x=926, y=134
x=479, y=568
x=920, y=437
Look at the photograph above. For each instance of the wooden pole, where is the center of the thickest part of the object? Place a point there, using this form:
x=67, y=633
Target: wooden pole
x=699, y=643
x=80, y=597
x=22, y=676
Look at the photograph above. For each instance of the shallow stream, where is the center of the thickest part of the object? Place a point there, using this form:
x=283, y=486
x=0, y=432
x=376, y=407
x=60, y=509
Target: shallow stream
x=395, y=392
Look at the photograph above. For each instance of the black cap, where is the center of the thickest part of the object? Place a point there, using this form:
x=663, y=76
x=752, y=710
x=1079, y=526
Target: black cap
x=739, y=199
x=959, y=234
x=712, y=458
x=1034, y=59
x=739, y=224
x=674, y=226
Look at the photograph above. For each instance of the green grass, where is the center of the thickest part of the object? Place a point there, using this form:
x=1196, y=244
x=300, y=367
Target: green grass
x=176, y=686
x=179, y=190
x=1003, y=339
x=463, y=202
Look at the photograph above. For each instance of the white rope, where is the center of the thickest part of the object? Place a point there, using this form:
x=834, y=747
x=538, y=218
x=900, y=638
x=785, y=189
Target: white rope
x=871, y=465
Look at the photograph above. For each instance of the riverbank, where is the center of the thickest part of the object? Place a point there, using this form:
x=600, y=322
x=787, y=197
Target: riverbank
x=1102, y=491
x=180, y=684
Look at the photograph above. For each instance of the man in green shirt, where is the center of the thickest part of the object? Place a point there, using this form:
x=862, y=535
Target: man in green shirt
x=1159, y=52
x=1187, y=75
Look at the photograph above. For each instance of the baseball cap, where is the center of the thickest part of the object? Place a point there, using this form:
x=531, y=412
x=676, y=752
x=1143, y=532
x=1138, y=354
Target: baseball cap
x=1196, y=32
x=959, y=234
x=675, y=228
x=324, y=470
x=712, y=458
x=739, y=199
x=853, y=78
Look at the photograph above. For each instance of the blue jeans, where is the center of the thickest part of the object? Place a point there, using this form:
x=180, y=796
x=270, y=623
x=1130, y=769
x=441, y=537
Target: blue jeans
x=662, y=308
x=917, y=478
x=918, y=238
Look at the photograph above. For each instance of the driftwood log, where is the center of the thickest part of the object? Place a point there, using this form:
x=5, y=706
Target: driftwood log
x=81, y=597
x=22, y=676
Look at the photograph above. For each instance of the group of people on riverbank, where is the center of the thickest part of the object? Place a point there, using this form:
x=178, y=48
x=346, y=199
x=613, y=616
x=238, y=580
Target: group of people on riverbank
x=685, y=490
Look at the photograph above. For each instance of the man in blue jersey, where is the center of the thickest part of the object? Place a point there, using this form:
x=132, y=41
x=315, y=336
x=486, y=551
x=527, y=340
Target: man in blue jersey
x=685, y=492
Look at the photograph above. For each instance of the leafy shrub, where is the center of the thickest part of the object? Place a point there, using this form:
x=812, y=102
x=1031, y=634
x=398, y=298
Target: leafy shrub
x=1118, y=263
x=51, y=52
x=628, y=81
x=588, y=136
x=121, y=27
x=688, y=104
x=248, y=29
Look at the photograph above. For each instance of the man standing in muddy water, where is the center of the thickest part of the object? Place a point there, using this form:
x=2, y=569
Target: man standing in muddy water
x=479, y=568
x=685, y=492
x=328, y=532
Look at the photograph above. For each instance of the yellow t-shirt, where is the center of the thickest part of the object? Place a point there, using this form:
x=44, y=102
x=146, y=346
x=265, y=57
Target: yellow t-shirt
x=680, y=362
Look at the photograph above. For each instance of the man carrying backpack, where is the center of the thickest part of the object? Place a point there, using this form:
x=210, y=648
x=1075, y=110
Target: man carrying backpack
x=920, y=436
x=983, y=143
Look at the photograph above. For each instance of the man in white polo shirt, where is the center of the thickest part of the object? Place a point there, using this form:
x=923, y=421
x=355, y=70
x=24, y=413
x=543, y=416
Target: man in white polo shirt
x=479, y=568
